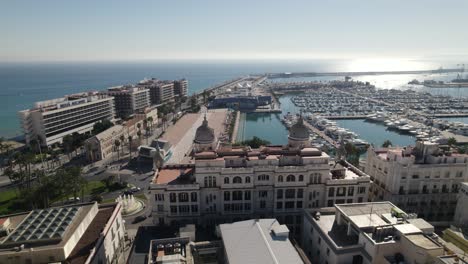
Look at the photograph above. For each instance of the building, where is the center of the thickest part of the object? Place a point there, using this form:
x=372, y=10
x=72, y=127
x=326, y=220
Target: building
x=376, y=232
x=160, y=91
x=260, y=241
x=49, y=121
x=181, y=88
x=86, y=233
x=225, y=184
x=102, y=145
x=424, y=179
x=461, y=214
x=129, y=99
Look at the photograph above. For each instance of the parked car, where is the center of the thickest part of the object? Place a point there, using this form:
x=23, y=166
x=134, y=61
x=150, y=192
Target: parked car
x=139, y=218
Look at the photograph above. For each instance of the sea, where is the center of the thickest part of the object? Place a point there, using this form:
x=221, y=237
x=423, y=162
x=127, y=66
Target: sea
x=22, y=84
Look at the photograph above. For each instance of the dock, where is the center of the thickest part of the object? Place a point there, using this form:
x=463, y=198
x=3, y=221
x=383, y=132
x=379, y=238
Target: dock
x=316, y=74
x=322, y=135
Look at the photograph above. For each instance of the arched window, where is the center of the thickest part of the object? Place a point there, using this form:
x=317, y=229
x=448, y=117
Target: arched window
x=290, y=178
x=237, y=179
x=280, y=178
x=301, y=177
x=247, y=179
x=226, y=180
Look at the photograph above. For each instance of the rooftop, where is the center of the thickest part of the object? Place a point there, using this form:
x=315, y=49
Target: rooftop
x=258, y=241
x=171, y=176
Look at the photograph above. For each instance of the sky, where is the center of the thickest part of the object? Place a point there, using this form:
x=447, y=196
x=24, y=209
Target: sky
x=85, y=30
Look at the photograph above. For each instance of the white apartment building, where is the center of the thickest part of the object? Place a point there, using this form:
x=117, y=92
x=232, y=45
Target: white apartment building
x=129, y=99
x=49, y=121
x=424, y=179
x=365, y=233
x=160, y=91
x=86, y=233
x=225, y=184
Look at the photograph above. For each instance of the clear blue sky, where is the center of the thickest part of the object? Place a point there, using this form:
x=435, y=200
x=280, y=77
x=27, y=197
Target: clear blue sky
x=39, y=30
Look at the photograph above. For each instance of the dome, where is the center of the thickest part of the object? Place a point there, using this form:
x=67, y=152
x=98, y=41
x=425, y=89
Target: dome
x=299, y=131
x=204, y=134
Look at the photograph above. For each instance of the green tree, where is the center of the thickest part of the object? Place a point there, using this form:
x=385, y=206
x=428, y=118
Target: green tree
x=139, y=136
x=117, y=148
x=101, y=126
x=255, y=142
x=68, y=145
x=387, y=143
x=452, y=141
x=130, y=139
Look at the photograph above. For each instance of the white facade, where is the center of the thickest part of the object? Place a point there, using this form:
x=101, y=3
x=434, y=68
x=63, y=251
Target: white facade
x=160, y=91
x=423, y=180
x=49, y=121
x=368, y=233
x=461, y=212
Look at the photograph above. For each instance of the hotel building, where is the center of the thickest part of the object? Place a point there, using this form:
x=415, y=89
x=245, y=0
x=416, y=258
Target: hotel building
x=160, y=91
x=49, y=121
x=225, y=184
x=129, y=99
x=424, y=179
x=85, y=233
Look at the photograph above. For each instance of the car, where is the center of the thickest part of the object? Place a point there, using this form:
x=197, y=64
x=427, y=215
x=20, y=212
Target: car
x=135, y=189
x=139, y=218
x=73, y=200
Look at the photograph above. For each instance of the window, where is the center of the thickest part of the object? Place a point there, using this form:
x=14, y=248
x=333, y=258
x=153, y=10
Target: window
x=328, y=252
x=319, y=240
x=316, y=178
x=330, y=203
x=237, y=195
x=359, y=200
x=262, y=194
x=290, y=178
x=262, y=204
x=299, y=204
x=341, y=191
x=237, y=179
x=173, y=197
x=350, y=191
x=300, y=193
x=361, y=189
x=247, y=206
x=183, y=197
x=193, y=196
x=160, y=208
x=280, y=178
x=173, y=209
x=247, y=179
x=279, y=194
x=263, y=177
x=349, y=201
x=415, y=176
x=290, y=193
x=227, y=196
x=331, y=192
x=194, y=208
x=289, y=205
x=447, y=174
x=226, y=180
x=210, y=181
x=247, y=195
x=279, y=205
x=301, y=177
x=184, y=209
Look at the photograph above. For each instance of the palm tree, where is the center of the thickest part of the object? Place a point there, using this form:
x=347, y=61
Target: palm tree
x=150, y=121
x=139, y=137
x=147, y=134
x=130, y=139
x=117, y=145
x=122, y=140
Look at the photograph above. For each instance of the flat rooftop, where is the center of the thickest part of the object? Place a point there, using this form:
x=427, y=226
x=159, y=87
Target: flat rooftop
x=258, y=241
x=171, y=176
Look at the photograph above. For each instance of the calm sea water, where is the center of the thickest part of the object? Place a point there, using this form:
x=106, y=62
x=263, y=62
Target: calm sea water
x=22, y=84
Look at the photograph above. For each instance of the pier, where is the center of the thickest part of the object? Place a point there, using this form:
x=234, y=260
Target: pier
x=316, y=74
